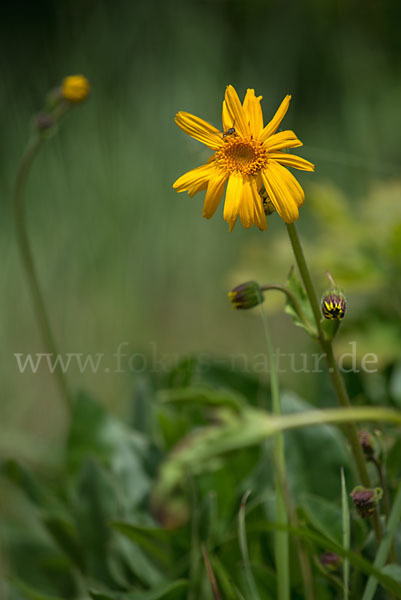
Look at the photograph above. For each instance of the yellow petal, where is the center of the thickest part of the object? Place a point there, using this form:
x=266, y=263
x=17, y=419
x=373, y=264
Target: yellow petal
x=228, y=121
x=246, y=207
x=260, y=217
x=231, y=225
x=236, y=112
x=233, y=199
x=273, y=125
x=194, y=178
x=197, y=187
x=289, y=180
x=290, y=160
x=280, y=195
x=251, y=209
x=215, y=191
x=253, y=112
x=199, y=129
x=284, y=139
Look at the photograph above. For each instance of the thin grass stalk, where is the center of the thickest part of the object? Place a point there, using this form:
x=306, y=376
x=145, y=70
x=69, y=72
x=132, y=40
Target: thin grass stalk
x=210, y=574
x=243, y=544
x=346, y=531
x=281, y=541
x=285, y=508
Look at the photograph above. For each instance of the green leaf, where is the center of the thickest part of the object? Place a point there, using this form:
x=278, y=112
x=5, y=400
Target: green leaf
x=393, y=571
x=128, y=454
x=171, y=591
x=305, y=320
x=22, y=477
x=313, y=450
x=31, y=593
x=183, y=373
x=323, y=515
x=203, y=396
x=155, y=542
x=250, y=428
x=65, y=534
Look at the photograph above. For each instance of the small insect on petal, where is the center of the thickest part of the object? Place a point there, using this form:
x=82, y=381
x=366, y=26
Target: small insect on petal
x=230, y=131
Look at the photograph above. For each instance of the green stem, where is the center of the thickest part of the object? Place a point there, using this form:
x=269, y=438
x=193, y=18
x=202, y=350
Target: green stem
x=281, y=545
x=294, y=301
x=27, y=259
x=386, y=499
x=334, y=372
x=285, y=508
x=346, y=531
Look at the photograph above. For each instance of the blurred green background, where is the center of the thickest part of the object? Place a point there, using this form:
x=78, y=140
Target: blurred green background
x=121, y=256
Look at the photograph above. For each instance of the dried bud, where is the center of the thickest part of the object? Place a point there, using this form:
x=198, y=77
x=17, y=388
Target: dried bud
x=365, y=500
x=330, y=560
x=75, y=88
x=246, y=295
x=43, y=122
x=367, y=443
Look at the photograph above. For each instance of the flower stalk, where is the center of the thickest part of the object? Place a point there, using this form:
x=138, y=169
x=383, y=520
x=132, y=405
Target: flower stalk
x=73, y=90
x=28, y=157
x=334, y=372
x=281, y=542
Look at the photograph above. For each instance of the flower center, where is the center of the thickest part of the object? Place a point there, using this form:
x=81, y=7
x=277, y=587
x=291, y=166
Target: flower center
x=241, y=155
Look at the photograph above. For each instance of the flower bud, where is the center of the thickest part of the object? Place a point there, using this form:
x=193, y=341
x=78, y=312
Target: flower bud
x=334, y=305
x=330, y=560
x=75, y=88
x=367, y=443
x=365, y=500
x=246, y=295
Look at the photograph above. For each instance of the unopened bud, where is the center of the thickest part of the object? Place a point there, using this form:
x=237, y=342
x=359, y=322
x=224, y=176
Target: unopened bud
x=334, y=305
x=365, y=500
x=367, y=443
x=246, y=295
x=330, y=560
x=75, y=88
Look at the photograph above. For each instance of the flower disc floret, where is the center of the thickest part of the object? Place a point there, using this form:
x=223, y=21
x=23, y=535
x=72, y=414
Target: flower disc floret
x=241, y=155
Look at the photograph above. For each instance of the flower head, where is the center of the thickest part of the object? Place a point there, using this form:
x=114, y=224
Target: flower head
x=250, y=158
x=75, y=88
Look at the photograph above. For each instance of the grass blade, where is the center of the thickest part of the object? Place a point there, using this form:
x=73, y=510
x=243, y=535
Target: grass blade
x=254, y=594
x=210, y=574
x=346, y=533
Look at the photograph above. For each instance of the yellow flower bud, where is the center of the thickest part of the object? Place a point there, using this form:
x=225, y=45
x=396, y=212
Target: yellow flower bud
x=75, y=88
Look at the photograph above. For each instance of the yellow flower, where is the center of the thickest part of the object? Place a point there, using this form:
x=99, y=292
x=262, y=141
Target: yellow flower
x=250, y=157
x=75, y=88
